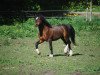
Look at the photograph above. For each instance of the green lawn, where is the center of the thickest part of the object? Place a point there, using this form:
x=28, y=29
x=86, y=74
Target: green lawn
x=18, y=56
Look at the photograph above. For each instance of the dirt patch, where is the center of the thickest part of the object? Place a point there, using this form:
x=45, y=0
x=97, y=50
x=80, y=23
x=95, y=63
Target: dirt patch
x=49, y=72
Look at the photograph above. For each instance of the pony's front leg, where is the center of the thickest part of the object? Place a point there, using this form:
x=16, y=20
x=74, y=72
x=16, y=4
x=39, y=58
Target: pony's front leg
x=51, y=48
x=70, y=50
x=36, y=46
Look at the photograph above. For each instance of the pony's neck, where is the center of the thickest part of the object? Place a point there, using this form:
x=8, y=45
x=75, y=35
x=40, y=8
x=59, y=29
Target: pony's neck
x=42, y=27
x=46, y=23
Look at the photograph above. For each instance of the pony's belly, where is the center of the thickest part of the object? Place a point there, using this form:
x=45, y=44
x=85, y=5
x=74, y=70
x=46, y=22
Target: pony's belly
x=56, y=37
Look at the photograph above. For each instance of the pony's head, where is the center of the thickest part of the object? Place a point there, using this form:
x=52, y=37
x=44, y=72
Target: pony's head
x=40, y=20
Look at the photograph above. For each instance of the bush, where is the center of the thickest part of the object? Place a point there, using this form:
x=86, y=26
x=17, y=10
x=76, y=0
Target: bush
x=21, y=30
x=28, y=29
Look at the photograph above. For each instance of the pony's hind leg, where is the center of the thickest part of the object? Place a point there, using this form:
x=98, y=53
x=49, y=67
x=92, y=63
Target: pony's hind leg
x=70, y=50
x=66, y=49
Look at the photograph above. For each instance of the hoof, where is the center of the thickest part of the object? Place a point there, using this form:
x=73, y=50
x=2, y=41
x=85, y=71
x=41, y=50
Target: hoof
x=38, y=52
x=70, y=53
x=66, y=54
x=51, y=55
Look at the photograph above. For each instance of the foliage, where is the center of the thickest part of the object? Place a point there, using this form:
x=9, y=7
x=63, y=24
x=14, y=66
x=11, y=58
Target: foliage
x=28, y=29
x=78, y=22
x=21, y=30
x=11, y=10
x=96, y=8
x=19, y=5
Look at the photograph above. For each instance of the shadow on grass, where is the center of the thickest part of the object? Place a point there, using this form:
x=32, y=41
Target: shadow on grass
x=76, y=54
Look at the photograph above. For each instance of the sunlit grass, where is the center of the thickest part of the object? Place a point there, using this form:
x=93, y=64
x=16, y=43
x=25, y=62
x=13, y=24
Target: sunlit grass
x=18, y=56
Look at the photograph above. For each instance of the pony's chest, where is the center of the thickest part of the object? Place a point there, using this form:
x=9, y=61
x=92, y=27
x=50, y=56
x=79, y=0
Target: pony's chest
x=45, y=35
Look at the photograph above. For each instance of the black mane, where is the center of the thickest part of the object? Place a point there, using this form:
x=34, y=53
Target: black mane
x=44, y=21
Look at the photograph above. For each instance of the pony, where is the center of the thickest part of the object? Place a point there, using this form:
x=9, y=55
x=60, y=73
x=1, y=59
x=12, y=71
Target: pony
x=49, y=33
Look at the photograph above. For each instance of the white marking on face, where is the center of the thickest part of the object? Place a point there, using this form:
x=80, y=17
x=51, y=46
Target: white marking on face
x=51, y=55
x=70, y=53
x=37, y=18
x=66, y=49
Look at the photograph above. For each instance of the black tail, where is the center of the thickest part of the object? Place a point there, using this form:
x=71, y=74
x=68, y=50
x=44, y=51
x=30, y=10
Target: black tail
x=71, y=34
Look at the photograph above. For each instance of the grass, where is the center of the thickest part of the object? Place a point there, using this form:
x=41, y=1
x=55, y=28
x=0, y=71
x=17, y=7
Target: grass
x=28, y=29
x=96, y=8
x=18, y=30
x=18, y=56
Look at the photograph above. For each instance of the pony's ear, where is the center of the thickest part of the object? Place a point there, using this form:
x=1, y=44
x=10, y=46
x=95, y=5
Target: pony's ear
x=34, y=17
x=37, y=15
